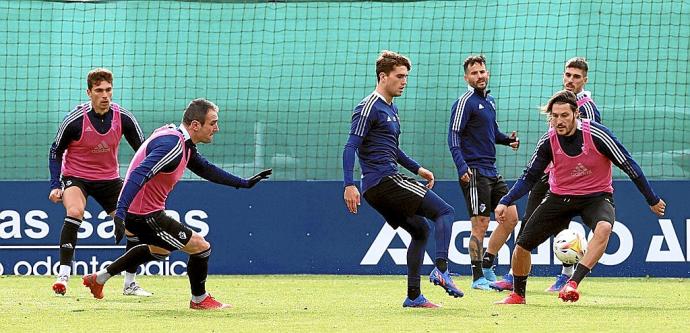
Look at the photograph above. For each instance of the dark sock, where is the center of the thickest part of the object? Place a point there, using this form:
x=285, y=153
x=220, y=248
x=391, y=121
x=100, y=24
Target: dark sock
x=520, y=285
x=413, y=288
x=68, y=239
x=197, y=270
x=442, y=264
x=488, y=260
x=132, y=258
x=477, y=270
x=581, y=271
x=132, y=241
x=415, y=256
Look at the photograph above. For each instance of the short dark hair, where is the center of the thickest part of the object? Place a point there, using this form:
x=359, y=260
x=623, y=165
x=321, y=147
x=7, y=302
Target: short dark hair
x=579, y=63
x=473, y=59
x=97, y=75
x=197, y=110
x=388, y=60
x=562, y=97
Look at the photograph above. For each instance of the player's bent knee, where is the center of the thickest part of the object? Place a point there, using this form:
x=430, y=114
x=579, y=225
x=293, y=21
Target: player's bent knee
x=521, y=250
x=424, y=231
x=196, y=244
x=522, y=246
x=480, y=220
x=603, y=228
x=448, y=210
x=158, y=253
x=75, y=212
x=417, y=227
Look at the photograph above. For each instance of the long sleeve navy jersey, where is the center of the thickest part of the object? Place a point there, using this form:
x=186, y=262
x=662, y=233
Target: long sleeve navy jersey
x=374, y=134
x=588, y=110
x=473, y=133
x=163, y=154
x=71, y=128
x=605, y=142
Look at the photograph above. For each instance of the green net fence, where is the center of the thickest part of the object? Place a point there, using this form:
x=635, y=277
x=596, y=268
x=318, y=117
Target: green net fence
x=286, y=74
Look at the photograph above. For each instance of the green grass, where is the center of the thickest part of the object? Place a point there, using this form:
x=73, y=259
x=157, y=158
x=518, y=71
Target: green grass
x=313, y=303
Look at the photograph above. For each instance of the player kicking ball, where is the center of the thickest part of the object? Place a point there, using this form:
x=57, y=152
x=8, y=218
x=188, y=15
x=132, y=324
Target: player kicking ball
x=580, y=184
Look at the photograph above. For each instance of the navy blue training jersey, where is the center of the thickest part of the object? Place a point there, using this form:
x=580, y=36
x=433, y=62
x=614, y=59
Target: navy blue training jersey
x=588, y=110
x=374, y=136
x=473, y=133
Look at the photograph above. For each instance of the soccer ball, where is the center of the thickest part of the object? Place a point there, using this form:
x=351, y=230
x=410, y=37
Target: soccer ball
x=569, y=246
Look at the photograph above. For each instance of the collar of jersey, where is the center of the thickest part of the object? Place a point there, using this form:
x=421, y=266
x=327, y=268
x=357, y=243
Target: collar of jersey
x=186, y=135
x=381, y=97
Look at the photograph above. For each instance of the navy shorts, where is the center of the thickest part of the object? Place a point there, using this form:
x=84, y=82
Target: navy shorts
x=556, y=211
x=396, y=198
x=483, y=193
x=159, y=229
x=105, y=192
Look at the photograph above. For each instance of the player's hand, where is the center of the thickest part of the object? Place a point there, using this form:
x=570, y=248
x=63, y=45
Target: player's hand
x=55, y=195
x=119, y=229
x=516, y=143
x=428, y=175
x=258, y=177
x=660, y=208
x=500, y=213
x=466, y=177
x=351, y=197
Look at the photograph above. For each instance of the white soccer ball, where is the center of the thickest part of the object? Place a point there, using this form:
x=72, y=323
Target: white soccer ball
x=569, y=246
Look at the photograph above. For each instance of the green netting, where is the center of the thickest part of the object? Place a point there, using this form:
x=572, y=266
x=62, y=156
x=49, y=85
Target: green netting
x=287, y=74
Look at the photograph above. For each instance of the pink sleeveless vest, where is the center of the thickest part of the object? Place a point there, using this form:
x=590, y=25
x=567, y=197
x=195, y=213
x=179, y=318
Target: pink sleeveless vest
x=94, y=156
x=587, y=173
x=152, y=195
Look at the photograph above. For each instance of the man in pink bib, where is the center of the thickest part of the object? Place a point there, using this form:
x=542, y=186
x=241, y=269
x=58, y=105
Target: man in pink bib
x=83, y=162
x=574, y=79
x=155, y=169
x=579, y=185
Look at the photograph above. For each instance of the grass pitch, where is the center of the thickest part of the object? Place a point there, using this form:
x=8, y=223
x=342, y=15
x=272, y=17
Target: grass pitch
x=314, y=303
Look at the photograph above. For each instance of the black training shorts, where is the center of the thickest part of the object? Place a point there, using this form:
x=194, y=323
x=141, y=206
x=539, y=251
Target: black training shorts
x=105, y=192
x=556, y=211
x=483, y=193
x=159, y=229
x=396, y=197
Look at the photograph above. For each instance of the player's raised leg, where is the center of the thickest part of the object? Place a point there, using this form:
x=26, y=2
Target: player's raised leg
x=442, y=214
x=132, y=258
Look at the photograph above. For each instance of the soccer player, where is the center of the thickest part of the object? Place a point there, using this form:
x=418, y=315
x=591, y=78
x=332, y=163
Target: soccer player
x=472, y=137
x=401, y=200
x=574, y=79
x=83, y=162
x=155, y=169
x=580, y=184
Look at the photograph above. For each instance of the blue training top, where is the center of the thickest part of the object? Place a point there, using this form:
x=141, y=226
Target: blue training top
x=374, y=136
x=473, y=133
x=588, y=110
